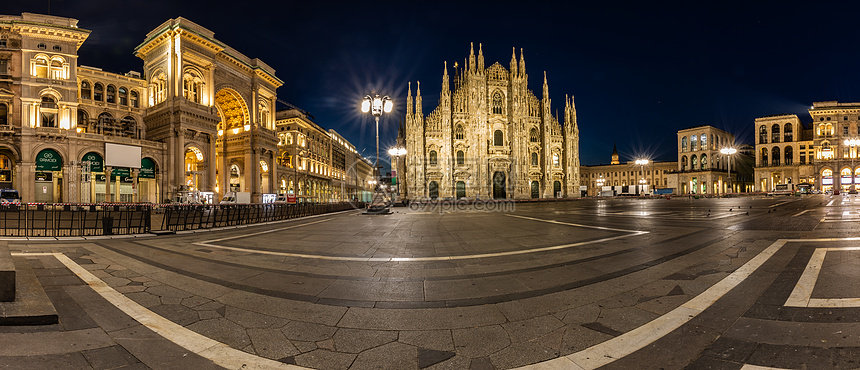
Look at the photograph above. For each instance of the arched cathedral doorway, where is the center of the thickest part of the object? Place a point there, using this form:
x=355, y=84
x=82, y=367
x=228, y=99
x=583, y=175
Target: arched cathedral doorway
x=499, y=185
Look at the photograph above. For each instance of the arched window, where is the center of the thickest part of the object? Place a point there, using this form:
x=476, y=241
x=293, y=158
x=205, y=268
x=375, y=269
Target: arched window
x=534, y=159
x=788, y=133
x=498, y=104
x=98, y=92
x=433, y=158
x=111, y=94
x=704, y=142
x=533, y=135
x=461, y=157
x=693, y=142
x=704, y=161
x=712, y=141
x=762, y=134
x=123, y=96
x=775, y=156
x=48, y=112
x=684, y=144
x=159, y=88
x=4, y=114
x=57, y=70
x=764, y=157
x=556, y=161
x=135, y=99
x=694, y=163
x=684, y=163
x=789, y=156
x=459, y=133
x=83, y=120
x=129, y=126
x=192, y=86
x=86, y=90
x=498, y=138
x=774, y=134
x=40, y=67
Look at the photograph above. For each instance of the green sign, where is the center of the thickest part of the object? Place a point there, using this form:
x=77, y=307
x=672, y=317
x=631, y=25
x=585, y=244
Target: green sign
x=147, y=169
x=96, y=162
x=120, y=171
x=48, y=160
x=125, y=179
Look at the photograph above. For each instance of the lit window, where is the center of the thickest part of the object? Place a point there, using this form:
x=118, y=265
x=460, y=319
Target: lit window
x=40, y=68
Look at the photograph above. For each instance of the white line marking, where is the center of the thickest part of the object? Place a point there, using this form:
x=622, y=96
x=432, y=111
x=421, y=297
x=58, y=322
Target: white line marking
x=831, y=203
x=780, y=203
x=801, y=212
x=801, y=295
x=607, y=352
x=217, y=352
x=208, y=244
x=756, y=367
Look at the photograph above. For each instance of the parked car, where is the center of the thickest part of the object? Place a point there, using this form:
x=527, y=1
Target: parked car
x=9, y=196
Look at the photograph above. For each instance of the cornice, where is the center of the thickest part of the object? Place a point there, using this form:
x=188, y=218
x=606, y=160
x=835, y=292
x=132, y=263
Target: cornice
x=48, y=31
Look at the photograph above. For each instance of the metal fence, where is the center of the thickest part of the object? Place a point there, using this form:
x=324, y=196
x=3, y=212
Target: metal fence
x=193, y=217
x=73, y=219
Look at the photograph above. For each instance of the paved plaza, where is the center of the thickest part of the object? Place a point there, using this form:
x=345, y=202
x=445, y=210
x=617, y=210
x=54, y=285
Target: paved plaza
x=730, y=283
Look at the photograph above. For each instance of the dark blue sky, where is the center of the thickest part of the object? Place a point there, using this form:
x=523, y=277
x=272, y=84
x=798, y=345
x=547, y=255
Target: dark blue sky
x=639, y=70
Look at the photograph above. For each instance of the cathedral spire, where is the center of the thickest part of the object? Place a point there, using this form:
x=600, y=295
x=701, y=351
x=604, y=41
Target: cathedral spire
x=444, y=95
x=545, y=87
x=522, y=63
x=409, y=101
x=418, y=114
x=480, y=58
x=472, y=57
x=513, y=61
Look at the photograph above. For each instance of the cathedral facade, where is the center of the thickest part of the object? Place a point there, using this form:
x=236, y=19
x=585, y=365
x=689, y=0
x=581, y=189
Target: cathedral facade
x=490, y=138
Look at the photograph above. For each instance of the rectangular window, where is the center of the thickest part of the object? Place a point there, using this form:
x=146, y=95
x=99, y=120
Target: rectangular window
x=802, y=159
x=4, y=66
x=844, y=130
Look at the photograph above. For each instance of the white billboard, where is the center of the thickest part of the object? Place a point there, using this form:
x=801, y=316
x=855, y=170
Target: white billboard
x=117, y=155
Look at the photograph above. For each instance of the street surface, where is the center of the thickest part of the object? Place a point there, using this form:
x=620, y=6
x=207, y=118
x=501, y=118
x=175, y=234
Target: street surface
x=731, y=283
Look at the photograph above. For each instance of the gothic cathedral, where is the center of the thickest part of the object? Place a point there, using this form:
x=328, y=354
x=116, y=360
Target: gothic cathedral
x=492, y=138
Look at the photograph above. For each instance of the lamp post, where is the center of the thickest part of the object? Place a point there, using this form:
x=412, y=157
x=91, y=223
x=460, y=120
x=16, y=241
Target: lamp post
x=377, y=106
x=600, y=182
x=641, y=163
x=728, y=151
x=853, y=143
x=396, y=152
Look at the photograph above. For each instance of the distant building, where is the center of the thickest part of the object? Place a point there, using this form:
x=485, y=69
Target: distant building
x=702, y=169
x=818, y=156
x=490, y=137
x=617, y=178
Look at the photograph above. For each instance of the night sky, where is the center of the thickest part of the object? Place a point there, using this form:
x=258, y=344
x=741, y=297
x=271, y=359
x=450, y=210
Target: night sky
x=639, y=71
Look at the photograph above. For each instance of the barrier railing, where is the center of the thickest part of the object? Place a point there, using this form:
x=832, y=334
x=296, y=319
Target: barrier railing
x=50, y=220
x=194, y=216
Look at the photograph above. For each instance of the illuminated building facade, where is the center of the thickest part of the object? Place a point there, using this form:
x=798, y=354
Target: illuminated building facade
x=490, y=137
x=788, y=153
x=202, y=115
x=656, y=175
x=702, y=169
x=784, y=152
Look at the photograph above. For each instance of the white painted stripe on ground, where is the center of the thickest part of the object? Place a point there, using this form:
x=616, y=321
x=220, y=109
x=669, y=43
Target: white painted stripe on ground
x=801, y=295
x=756, y=367
x=578, y=225
x=831, y=203
x=208, y=244
x=781, y=203
x=801, y=212
x=219, y=353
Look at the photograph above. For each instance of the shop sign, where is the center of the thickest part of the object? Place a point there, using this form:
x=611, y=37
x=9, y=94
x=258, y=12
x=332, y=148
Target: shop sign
x=96, y=162
x=120, y=171
x=147, y=169
x=48, y=160
x=827, y=180
x=44, y=176
x=125, y=179
x=5, y=175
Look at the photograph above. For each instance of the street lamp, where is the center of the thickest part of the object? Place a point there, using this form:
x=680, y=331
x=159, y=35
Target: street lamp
x=376, y=106
x=397, y=152
x=728, y=151
x=642, y=163
x=600, y=182
x=853, y=143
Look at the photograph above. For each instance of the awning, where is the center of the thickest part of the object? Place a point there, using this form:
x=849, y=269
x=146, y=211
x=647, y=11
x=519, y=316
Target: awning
x=48, y=160
x=147, y=169
x=96, y=162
